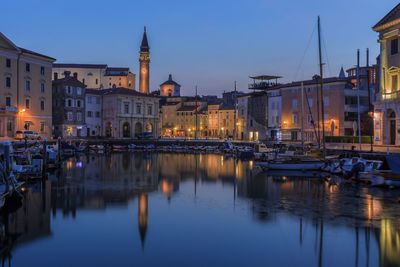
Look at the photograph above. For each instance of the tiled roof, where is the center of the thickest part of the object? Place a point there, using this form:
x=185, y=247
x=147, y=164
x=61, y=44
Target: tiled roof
x=69, y=81
x=124, y=91
x=94, y=91
x=80, y=66
x=187, y=108
x=26, y=51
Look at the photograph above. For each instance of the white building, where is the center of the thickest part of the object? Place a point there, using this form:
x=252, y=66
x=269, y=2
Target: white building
x=93, y=115
x=96, y=76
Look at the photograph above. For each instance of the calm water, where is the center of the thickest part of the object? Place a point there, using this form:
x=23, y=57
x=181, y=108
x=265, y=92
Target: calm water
x=198, y=210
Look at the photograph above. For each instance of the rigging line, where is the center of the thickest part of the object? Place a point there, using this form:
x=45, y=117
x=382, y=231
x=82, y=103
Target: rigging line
x=305, y=52
x=326, y=53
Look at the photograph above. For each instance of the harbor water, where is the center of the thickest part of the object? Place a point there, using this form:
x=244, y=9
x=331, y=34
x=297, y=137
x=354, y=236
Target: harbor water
x=149, y=209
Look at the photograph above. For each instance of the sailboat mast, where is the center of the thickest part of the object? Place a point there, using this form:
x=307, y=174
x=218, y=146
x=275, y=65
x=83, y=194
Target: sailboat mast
x=321, y=87
x=358, y=98
x=302, y=115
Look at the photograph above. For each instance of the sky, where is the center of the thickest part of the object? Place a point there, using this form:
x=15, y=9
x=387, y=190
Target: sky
x=208, y=43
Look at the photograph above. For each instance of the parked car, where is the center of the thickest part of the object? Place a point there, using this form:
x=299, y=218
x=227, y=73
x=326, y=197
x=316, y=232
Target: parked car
x=30, y=135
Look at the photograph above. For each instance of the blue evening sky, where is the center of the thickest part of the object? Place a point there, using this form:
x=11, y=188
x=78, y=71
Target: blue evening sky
x=209, y=43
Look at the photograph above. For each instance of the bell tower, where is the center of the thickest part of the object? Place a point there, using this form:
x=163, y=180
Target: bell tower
x=144, y=60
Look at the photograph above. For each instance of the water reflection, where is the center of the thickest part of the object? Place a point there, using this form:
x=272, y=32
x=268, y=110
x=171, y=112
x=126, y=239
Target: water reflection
x=319, y=222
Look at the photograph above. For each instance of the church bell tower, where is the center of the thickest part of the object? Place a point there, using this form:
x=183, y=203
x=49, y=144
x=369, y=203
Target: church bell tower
x=144, y=71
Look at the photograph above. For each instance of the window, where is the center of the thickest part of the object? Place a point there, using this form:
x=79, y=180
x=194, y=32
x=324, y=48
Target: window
x=89, y=100
x=10, y=125
x=79, y=91
x=70, y=116
x=394, y=83
x=27, y=67
x=8, y=63
x=27, y=85
x=149, y=110
x=42, y=126
x=295, y=118
x=55, y=76
x=326, y=101
x=311, y=102
x=97, y=114
x=27, y=103
x=126, y=107
x=89, y=114
x=97, y=100
x=41, y=104
x=79, y=116
x=8, y=101
x=97, y=81
x=42, y=87
x=41, y=70
x=310, y=120
x=78, y=103
x=68, y=89
x=294, y=103
x=138, y=108
x=69, y=103
x=8, y=82
x=394, y=46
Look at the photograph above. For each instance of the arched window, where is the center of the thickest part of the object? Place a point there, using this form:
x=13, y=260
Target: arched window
x=126, y=130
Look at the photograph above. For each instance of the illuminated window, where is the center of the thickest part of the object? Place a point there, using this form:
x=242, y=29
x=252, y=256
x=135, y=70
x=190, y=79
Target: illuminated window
x=394, y=83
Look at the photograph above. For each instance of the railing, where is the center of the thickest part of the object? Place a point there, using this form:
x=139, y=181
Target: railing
x=7, y=108
x=261, y=85
x=389, y=96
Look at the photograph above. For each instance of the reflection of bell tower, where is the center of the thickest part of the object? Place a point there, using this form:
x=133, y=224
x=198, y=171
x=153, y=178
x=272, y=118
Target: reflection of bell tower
x=144, y=59
x=143, y=214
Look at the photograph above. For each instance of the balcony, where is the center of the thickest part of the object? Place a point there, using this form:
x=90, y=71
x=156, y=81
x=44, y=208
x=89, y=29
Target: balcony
x=5, y=109
x=389, y=96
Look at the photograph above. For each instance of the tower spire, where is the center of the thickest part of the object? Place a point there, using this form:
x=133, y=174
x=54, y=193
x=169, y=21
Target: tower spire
x=144, y=47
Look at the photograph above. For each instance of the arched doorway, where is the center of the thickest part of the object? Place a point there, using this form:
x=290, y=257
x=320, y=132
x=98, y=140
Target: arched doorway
x=149, y=128
x=138, y=129
x=392, y=126
x=126, y=130
x=108, y=129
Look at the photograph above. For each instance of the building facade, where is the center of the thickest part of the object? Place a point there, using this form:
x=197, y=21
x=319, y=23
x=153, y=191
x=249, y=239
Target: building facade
x=387, y=105
x=129, y=114
x=69, y=107
x=93, y=117
x=25, y=90
x=302, y=110
x=96, y=76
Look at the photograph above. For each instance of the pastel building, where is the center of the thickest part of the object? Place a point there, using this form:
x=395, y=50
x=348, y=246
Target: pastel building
x=387, y=105
x=25, y=90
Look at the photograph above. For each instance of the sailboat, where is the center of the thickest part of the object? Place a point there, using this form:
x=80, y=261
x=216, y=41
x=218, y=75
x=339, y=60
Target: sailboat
x=305, y=162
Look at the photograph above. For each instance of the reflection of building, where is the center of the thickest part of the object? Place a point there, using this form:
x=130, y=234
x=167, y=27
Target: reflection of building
x=96, y=76
x=387, y=106
x=69, y=107
x=143, y=216
x=144, y=68
x=129, y=114
x=25, y=79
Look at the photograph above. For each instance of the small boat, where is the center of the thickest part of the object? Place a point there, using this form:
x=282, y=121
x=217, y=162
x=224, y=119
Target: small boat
x=292, y=164
x=119, y=148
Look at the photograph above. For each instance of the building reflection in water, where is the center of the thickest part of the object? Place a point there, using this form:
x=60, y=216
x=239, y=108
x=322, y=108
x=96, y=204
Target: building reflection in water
x=94, y=182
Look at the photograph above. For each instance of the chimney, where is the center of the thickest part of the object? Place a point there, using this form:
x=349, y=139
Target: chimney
x=67, y=74
x=170, y=77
